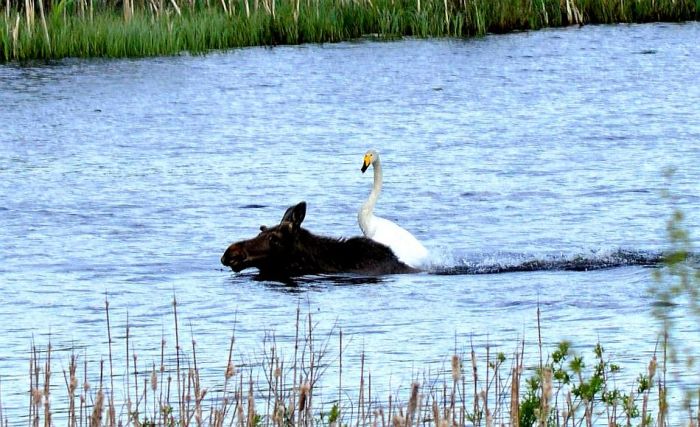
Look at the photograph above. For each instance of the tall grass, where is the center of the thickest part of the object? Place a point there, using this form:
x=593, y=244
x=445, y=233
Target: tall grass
x=52, y=29
x=480, y=387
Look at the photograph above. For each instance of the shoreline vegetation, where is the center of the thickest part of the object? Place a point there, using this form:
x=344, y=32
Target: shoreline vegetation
x=479, y=387
x=55, y=29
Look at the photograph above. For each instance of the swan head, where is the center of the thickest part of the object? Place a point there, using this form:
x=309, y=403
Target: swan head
x=371, y=156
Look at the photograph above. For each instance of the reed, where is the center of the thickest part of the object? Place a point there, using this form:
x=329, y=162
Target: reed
x=143, y=28
x=565, y=388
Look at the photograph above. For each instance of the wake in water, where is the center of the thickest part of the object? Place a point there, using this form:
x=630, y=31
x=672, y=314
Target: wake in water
x=512, y=263
x=494, y=263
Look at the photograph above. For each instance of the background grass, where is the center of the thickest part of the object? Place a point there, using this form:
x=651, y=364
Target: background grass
x=42, y=29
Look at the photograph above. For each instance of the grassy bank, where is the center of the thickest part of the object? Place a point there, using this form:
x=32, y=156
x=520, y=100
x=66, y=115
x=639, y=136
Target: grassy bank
x=52, y=29
x=285, y=386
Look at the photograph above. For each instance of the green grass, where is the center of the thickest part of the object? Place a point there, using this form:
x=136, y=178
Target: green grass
x=74, y=28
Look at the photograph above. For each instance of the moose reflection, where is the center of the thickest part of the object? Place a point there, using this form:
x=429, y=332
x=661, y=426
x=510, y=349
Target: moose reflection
x=287, y=250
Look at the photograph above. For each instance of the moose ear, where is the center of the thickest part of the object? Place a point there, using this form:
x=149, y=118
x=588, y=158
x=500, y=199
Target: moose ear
x=295, y=214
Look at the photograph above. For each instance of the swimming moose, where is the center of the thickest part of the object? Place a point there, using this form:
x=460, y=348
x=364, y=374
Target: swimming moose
x=287, y=250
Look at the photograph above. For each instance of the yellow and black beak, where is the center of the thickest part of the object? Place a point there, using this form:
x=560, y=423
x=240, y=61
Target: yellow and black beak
x=366, y=162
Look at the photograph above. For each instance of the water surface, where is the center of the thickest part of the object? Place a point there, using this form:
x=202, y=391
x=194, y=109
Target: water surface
x=126, y=180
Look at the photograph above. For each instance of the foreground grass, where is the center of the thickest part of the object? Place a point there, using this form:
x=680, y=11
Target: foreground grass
x=482, y=387
x=45, y=29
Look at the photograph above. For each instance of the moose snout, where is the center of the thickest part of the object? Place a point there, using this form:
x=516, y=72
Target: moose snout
x=234, y=254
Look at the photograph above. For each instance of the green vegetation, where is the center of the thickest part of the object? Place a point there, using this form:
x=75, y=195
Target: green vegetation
x=678, y=285
x=54, y=29
x=482, y=388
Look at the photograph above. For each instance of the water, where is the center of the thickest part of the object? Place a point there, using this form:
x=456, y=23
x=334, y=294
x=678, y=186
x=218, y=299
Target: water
x=127, y=179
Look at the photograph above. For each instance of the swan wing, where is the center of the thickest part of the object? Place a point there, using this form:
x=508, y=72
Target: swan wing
x=406, y=247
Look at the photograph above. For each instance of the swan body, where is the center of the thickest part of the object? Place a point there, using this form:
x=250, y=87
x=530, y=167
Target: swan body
x=406, y=247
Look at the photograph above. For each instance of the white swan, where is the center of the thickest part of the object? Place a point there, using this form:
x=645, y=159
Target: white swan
x=406, y=247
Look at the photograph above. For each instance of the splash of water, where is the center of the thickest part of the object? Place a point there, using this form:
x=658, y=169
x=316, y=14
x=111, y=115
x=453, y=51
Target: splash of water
x=511, y=263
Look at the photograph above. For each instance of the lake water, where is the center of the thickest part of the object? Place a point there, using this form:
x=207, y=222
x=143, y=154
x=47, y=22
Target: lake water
x=127, y=179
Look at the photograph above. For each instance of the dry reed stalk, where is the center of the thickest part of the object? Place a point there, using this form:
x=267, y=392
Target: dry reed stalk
x=463, y=409
x=229, y=373
x=456, y=367
x=292, y=404
x=127, y=10
x=369, y=392
x=86, y=389
x=1, y=414
x=126, y=376
x=312, y=360
x=161, y=404
x=112, y=421
x=629, y=407
x=167, y=400
x=31, y=383
x=136, y=387
x=177, y=358
x=280, y=385
x=43, y=23
x=545, y=14
x=447, y=17
x=223, y=5
x=390, y=406
x=413, y=403
x=546, y=396
x=267, y=7
x=199, y=394
x=96, y=418
x=177, y=8
x=154, y=9
x=515, y=396
x=361, y=402
x=71, y=385
x=340, y=369
x=475, y=376
x=573, y=14
x=436, y=412
x=187, y=386
x=272, y=378
x=485, y=392
x=446, y=409
x=662, y=385
x=15, y=36
x=251, y=402
x=29, y=14
x=154, y=390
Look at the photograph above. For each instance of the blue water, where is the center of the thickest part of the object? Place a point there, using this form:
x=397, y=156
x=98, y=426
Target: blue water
x=126, y=180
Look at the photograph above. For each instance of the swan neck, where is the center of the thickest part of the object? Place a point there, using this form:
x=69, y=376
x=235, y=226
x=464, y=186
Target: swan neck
x=377, y=187
x=365, y=215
